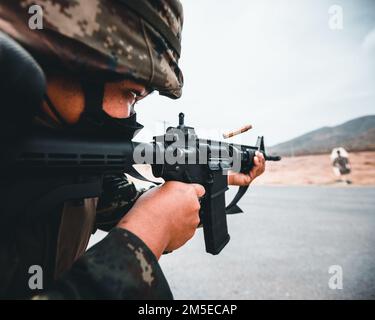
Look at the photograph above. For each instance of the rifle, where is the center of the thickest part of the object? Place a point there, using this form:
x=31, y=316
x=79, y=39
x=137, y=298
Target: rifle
x=46, y=168
x=81, y=162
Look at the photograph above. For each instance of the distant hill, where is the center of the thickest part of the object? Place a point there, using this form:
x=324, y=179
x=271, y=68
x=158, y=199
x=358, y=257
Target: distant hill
x=355, y=135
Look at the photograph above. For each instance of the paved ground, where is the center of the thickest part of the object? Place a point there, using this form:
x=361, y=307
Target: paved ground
x=283, y=247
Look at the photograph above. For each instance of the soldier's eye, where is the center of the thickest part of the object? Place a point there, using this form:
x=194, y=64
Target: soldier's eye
x=141, y=96
x=130, y=95
x=135, y=94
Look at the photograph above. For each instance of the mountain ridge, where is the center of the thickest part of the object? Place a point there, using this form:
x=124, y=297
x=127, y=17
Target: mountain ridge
x=354, y=135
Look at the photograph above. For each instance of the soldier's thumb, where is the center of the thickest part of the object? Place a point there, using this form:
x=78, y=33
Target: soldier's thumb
x=199, y=190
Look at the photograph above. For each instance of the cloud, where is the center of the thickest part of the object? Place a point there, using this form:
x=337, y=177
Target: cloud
x=275, y=65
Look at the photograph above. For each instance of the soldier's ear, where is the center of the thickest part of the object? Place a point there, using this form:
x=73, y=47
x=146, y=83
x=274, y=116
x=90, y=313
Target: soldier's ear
x=22, y=85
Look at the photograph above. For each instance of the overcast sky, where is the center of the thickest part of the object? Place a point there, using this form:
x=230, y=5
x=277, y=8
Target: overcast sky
x=276, y=64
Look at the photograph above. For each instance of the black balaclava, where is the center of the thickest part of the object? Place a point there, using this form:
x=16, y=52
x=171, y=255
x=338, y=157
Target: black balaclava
x=94, y=120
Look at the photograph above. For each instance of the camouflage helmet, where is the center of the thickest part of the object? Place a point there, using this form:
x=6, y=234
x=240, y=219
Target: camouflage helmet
x=112, y=39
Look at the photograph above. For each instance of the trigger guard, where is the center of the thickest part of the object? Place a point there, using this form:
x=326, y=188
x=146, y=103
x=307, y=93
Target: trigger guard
x=233, y=208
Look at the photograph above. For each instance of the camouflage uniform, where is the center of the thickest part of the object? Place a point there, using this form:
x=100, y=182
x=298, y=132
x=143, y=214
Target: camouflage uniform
x=100, y=38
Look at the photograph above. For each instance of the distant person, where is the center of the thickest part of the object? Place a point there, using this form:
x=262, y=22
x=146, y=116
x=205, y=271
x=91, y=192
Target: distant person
x=341, y=164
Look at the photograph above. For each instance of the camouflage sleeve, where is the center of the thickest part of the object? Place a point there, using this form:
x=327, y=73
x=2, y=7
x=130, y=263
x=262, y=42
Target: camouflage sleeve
x=119, y=196
x=121, y=266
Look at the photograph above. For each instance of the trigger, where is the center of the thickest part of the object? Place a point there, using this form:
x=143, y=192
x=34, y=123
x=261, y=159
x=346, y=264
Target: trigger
x=135, y=174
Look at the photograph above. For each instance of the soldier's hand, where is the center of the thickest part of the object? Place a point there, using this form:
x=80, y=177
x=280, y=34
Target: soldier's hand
x=166, y=217
x=241, y=179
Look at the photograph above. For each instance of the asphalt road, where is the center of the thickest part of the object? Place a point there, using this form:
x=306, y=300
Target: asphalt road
x=283, y=247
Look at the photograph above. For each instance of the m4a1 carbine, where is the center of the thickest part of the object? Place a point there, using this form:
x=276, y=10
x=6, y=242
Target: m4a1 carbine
x=41, y=170
x=79, y=164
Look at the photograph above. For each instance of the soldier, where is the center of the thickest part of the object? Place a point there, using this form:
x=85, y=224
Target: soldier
x=341, y=165
x=100, y=58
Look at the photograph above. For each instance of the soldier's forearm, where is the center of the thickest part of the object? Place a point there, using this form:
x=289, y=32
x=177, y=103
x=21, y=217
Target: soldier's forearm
x=155, y=237
x=121, y=266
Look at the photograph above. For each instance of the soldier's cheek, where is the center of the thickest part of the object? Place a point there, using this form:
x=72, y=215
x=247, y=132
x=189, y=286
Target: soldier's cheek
x=116, y=104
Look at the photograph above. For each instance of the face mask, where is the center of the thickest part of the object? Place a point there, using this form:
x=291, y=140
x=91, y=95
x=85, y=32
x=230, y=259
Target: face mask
x=103, y=124
x=94, y=120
